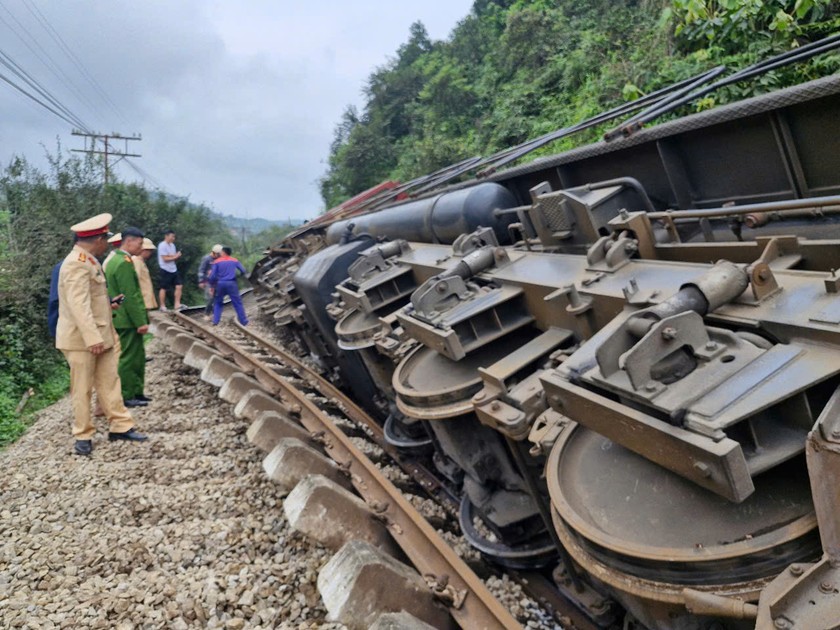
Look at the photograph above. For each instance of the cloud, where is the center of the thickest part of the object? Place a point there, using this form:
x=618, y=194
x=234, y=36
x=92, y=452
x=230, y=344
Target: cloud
x=236, y=101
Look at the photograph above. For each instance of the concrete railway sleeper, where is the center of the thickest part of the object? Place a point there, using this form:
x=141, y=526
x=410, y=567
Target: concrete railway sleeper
x=267, y=387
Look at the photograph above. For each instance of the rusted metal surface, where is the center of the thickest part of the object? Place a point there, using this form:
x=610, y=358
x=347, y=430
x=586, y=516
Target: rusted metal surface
x=718, y=466
x=803, y=596
x=823, y=453
x=429, y=553
x=653, y=549
x=808, y=596
x=826, y=205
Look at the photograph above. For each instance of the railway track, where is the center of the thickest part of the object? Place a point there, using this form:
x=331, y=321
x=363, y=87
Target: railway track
x=244, y=361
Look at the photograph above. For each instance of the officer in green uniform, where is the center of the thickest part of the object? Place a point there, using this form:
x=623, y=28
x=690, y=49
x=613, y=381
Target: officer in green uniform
x=131, y=320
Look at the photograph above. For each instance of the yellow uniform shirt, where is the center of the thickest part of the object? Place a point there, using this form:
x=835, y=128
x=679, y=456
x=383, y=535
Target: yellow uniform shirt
x=84, y=309
x=145, y=279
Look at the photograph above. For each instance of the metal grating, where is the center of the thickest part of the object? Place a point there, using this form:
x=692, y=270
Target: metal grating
x=553, y=209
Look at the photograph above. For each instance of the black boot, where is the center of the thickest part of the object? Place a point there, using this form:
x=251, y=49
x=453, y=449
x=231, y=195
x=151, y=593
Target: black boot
x=132, y=435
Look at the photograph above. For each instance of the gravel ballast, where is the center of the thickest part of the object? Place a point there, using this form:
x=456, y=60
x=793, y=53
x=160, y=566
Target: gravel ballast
x=181, y=531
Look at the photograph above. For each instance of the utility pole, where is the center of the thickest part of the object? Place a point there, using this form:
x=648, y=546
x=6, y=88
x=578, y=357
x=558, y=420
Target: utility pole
x=109, y=150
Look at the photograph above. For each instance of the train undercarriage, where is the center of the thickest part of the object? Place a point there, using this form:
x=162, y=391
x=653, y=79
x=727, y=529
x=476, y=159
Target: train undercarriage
x=624, y=360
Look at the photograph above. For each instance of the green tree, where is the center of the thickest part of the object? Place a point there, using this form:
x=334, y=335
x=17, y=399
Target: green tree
x=515, y=69
x=736, y=25
x=36, y=211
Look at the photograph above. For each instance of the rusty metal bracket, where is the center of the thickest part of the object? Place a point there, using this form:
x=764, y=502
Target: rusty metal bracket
x=546, y=429
x=511, y=406
x=575, y=303
x=808, y=596
x=719, y=466
x=639, y=224
x=763, y=283
x=611, y=253
x=376, y=259
x=805, y=596
x=663, y=338
x=468, y=243
x=439, y=294
x=444, y=591
x=635, y=296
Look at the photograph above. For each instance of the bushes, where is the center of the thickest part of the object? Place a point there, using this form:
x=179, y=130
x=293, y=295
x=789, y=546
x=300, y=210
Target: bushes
x=36, y=212
x=13, y=423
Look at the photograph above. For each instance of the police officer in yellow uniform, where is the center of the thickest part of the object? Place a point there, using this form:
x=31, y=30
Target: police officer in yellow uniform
x=85, y=335
x=143, y=275
x=115, y=241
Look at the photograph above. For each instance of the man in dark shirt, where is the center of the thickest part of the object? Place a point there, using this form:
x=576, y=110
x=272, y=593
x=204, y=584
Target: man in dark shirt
x=223, y=280
x=203, y=278
x=52, y=304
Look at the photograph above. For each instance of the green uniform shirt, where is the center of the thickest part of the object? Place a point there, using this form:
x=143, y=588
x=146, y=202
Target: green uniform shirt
x=122, y=278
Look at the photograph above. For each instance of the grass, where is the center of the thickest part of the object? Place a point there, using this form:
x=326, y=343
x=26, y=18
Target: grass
x=12, y=424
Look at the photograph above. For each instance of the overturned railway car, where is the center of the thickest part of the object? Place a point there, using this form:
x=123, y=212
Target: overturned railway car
x=624, y=359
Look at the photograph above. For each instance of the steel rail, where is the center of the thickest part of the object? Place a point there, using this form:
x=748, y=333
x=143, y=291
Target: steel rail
x=534, y=584
x=353, y=412
x=475, y=606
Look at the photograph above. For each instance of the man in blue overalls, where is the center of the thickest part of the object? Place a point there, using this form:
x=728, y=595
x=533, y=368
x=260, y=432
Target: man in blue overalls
x=223, y=280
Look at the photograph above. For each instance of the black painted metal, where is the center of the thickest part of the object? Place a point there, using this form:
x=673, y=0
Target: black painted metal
x=439, y=219
x=315, y=282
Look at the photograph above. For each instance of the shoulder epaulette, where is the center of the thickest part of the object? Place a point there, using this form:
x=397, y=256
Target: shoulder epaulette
x=127, y=258
x=82, y=257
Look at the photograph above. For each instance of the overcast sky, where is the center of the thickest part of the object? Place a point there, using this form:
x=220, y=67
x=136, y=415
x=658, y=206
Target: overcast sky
x=236, y=100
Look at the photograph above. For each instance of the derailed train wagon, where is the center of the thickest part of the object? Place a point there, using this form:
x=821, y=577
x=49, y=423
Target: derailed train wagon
x=624, y=359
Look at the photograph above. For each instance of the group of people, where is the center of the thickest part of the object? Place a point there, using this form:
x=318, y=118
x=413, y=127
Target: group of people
x=102, y=317
x=99, y=314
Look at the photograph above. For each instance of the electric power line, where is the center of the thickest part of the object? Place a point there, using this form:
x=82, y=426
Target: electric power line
x=41, y=103
x=59, y=40
x=50, y=63
x=43, y=97
x=10, y=63
x=146, y=175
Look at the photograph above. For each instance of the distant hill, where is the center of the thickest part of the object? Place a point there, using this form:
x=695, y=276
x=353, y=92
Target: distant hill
x=238, y=225
x=254, y=226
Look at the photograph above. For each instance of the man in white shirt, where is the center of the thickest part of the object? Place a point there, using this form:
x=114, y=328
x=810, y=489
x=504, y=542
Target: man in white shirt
x=170, y=278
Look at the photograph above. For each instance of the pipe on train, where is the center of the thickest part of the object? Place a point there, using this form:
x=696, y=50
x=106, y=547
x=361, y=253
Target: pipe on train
x=438, y=219
x=720, y=285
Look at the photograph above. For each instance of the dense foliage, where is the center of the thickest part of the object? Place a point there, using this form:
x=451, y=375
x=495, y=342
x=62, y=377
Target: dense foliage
x=36, y=210
x=515, y=69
